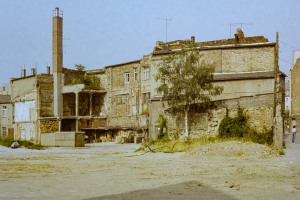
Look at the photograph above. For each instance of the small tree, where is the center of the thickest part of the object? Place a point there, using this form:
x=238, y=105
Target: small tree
x=186, y=82
x=80, y=67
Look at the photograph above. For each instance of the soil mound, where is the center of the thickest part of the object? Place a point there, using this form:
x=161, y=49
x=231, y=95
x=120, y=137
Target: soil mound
x=233, y=149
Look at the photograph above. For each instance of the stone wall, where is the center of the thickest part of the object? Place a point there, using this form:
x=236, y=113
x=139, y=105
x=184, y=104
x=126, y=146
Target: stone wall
x=259, y=109
x=45, y=95
x=123, y=95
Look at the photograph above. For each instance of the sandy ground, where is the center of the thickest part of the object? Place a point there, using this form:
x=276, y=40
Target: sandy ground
x=230, y=170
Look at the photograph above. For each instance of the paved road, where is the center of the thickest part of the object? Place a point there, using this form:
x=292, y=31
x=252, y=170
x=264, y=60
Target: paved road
x=292, y=151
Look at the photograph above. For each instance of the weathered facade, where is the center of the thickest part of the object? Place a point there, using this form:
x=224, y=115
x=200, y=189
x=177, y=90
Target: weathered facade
x=122, y=99
x=32, y=100
x=295, y=92
x=245, y=66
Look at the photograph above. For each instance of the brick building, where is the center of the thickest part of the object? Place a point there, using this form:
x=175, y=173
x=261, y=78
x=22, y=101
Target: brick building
x=295, y=92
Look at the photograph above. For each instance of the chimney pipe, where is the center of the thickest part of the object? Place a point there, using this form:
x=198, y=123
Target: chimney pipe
x=193, y=39
x=32, y=71
x=57, y=62
x=23, y=73
x=48, y=70
x=57, y=12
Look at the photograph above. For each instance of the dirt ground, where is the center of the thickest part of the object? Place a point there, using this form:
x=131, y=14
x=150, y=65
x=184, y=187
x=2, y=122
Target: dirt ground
x=229, y=170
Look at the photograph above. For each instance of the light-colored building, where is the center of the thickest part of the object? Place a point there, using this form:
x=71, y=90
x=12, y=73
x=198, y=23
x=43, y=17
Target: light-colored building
x=6, y=129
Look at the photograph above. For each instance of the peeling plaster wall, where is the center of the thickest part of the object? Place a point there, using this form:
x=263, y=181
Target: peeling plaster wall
x=24, y=99
x=25, y=111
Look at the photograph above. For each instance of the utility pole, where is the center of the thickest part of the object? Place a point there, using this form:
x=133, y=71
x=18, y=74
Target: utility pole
x=166, y=19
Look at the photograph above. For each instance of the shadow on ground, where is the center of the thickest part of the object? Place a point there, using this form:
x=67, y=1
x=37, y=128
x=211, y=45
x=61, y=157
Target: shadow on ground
x=185, y=190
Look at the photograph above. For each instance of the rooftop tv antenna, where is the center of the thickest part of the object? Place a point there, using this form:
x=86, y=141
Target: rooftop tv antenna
x=239, y=24
x=166, y=19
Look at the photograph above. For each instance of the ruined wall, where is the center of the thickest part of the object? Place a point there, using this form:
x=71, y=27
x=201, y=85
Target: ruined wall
x=45, y=95
x=72, y=76
x=258, y=108
x=253, y=91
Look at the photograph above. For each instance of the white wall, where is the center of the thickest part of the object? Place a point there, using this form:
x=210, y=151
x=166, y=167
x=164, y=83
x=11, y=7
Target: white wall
x=24, y=111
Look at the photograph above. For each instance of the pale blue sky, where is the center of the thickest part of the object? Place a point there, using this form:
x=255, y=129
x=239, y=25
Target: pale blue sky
x=104, y=32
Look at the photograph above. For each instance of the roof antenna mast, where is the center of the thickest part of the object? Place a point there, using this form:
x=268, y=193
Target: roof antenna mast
x=240, y=24
x=166, y=19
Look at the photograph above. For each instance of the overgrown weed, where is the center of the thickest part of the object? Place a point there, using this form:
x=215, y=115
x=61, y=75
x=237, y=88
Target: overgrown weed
x=7, y=142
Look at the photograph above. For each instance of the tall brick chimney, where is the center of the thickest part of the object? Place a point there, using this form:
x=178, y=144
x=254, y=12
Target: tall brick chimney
x=57, y=60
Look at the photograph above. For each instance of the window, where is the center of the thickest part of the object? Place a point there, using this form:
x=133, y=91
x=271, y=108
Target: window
x=146, y=97
x=4, y=131
x=121, y=99
x=135, y=74
x=4, y=108
x=146, y=73
x=126, y=77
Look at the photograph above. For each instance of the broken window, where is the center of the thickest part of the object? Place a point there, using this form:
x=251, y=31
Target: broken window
x=146, y=73
x=4, y=109
x=126, y=77
x=68, y=125
x=69, y=104
x=97, y=104
x=84, y=104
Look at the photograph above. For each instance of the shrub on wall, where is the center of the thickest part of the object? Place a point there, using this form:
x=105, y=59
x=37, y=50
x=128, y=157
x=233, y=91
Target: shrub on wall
x=238, y=127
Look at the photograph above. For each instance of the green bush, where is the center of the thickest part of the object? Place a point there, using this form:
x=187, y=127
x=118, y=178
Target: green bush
x=234, y=127
x=163, y=128
x=238, y=127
